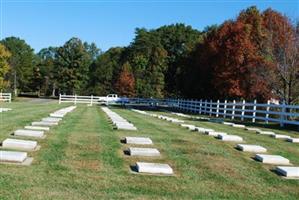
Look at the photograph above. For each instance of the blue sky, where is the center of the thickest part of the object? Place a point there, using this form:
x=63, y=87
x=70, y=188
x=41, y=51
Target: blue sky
x=44, y=23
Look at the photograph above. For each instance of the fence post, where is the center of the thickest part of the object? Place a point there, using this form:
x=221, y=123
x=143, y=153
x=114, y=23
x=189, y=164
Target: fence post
x=200, y=104
x=179, y=104
x=282, y=114
x=91, y=100
x=267, y=109
x=217, y=110
x=224, y=108
x=9, y=98
x=59, y=99
x=254, y=113
x=211, y=107
x=75, y=99
x=243, y=110
x=233, y=110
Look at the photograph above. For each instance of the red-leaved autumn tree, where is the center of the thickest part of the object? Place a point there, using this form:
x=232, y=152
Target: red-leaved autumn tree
x=125, y=85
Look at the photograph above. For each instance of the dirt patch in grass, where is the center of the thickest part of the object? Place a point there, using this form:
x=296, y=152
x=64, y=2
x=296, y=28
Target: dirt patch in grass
x=93, y=165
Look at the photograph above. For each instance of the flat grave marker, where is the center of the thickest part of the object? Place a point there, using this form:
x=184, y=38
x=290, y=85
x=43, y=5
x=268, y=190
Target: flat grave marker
x=56, y=115
x=293, y=140
x=43, y=123
x=238, y=125
x=126, y=127
x=14, y=157
x=251, y=148
x=288, y=172
x=203, y=130
x=266, y=133
x=272, y=159
x=138, y=140
x=154, y=168
x=26, y=145
x=151, y=152
x=29, y=133
x=252, y=129
x=37, y=128
x=278, y=136
x=230, y=138
x=214, y=133
x=51, y=119
x=228, y=123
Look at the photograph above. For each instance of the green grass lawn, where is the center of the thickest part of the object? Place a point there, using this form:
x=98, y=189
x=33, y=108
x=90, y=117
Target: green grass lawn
x=83, y=158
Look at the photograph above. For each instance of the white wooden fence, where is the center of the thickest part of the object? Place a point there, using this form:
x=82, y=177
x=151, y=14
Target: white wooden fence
x=5, y=97
x=253, y=111
x=79, y=99
x=281, y=113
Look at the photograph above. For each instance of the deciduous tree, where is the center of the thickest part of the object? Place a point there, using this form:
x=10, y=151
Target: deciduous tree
x=125, y=85
x=4, y=66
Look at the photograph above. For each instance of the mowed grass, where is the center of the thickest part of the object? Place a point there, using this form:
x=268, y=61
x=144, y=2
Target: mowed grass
x=83, y=158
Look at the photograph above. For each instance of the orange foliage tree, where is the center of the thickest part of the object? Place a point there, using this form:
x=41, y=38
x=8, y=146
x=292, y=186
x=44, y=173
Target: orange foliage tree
x=125, y=85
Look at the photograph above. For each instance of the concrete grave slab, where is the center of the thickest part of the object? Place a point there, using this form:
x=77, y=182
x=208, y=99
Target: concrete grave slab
x=192, y=128
x=138, y=140
x=266, y=133
x=230, y=138
x=272, y=159
x=252, y=129
x=29, y=133
x=288, y=172
x=134, y=151
x=186, y=125
x=293, y=140
x=238, y=125
x=214, y=133
x=125, y=127
x=56, y=115
x=200, y=129
x=38, y=128
x=251, y=148
x=203, y=130
x=228, y=123
x=51, y=119
x=176, y=121
x=13, y=156
x=124, y=123
x=25, y=145
x=43, y=123
x=278, y=136
x=153, y=168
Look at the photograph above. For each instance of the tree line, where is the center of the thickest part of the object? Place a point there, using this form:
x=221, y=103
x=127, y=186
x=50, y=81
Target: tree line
x=254, y=56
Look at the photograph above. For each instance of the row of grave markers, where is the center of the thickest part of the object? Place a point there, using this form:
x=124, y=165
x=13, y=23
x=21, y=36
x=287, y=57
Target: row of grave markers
x=282, y=168
x=16, y=150
x=118, y=121
x=140, y=167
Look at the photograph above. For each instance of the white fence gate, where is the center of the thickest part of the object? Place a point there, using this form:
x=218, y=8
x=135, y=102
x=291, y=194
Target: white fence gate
x=5, y=97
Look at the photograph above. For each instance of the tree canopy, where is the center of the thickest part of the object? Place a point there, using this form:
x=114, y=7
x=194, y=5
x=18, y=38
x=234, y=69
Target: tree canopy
x=254, y=56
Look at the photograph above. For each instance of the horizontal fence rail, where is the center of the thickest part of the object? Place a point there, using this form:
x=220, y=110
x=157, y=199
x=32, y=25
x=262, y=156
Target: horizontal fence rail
x=80, y=99
x=278, y=113
x=267, y=112
x=5, y=97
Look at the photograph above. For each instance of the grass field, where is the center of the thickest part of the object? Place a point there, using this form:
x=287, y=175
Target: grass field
x=83, y=158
